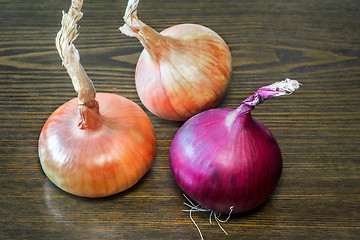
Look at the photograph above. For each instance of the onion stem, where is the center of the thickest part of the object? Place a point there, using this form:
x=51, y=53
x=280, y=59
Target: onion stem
x=153, y=42
x=285, y=87
x=88, y=106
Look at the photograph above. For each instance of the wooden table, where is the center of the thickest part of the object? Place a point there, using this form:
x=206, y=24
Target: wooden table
x=317, y=128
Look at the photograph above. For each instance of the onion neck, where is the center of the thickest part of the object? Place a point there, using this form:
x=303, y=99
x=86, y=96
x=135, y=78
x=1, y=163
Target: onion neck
x=89, y=116
x=88, y=107
x=285, y=87
x=154, y=43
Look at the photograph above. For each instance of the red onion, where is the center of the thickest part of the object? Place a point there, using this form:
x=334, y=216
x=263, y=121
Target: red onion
x=225, y=159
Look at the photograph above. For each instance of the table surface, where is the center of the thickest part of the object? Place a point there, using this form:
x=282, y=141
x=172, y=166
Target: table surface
x=317, y=128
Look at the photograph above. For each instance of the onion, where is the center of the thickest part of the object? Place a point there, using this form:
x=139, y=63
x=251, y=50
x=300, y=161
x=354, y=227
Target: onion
x=182, y=70
x=227, y=160
x=93, y=147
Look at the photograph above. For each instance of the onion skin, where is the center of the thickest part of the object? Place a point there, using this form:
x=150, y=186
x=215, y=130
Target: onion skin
x=102, y=161
x=190, y=74
x=94, y=145
x=226, y=159
x=218, y=173
x=183, y=70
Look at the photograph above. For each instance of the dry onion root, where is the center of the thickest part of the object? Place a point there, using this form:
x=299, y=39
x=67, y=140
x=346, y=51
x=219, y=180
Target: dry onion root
x=95, y=145
x=182, y=70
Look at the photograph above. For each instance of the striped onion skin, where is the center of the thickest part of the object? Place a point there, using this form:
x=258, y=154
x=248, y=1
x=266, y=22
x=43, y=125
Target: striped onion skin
x=190, y=73
x=226, y=160
x=183, y=70
x=97, y=162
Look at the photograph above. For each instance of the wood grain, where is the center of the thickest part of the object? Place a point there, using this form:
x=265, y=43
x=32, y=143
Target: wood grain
x=318, y=128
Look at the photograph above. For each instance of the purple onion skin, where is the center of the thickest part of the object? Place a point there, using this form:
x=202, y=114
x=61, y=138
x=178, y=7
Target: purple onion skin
x=222, y=166
x=226, y=159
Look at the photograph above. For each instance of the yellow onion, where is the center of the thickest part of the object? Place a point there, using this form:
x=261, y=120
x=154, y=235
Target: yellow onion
x=182, y=70
x=95, y=145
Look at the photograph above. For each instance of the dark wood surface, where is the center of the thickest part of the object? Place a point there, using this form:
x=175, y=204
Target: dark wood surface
x=317, y=128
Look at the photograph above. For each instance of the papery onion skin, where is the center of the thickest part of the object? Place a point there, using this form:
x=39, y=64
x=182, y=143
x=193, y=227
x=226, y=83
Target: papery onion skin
x=231, y=169
x=179, y=84
x=97, y=162
x=226, y=159
x=183, y=70
x=94, y=145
